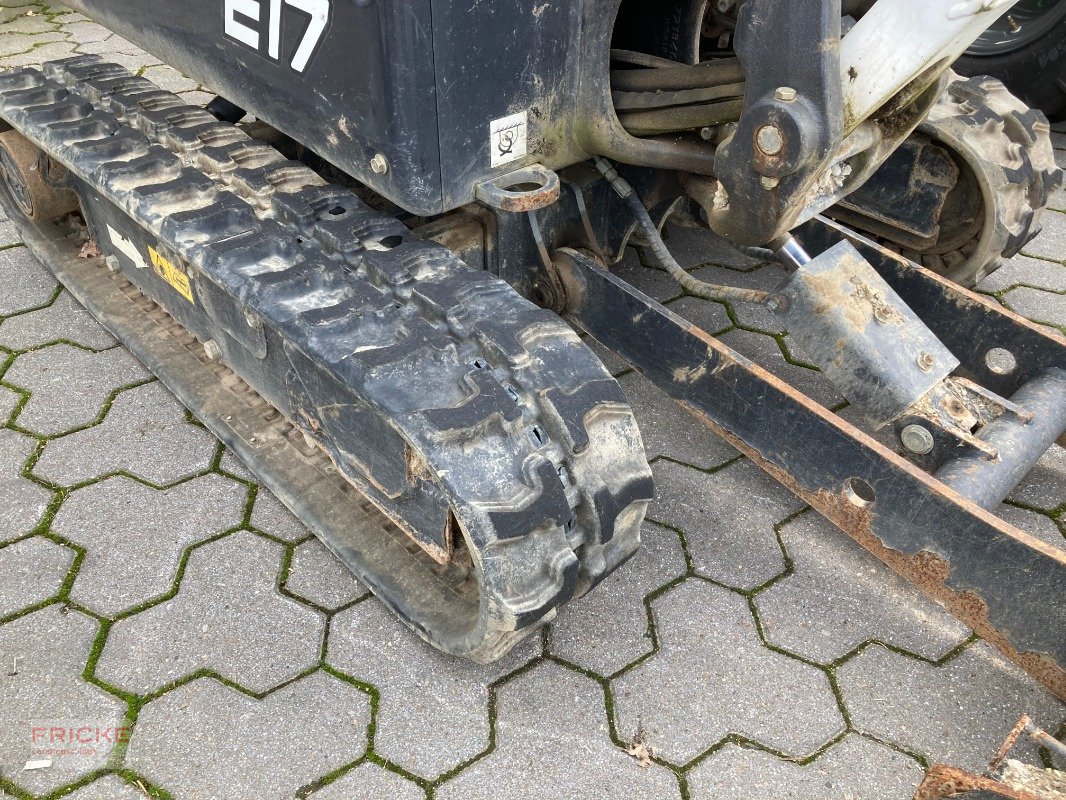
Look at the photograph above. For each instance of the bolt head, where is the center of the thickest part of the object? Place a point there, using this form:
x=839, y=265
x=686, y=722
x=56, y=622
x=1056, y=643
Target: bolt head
x=379, y=164
x=917, y=439
x=926, y=361
x=725, y=6
x=770, y=140
x=212, y=350
x=785, y=93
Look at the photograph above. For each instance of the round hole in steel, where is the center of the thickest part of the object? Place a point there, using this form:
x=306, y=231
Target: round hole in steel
x=1000, y=361
x=859, y=492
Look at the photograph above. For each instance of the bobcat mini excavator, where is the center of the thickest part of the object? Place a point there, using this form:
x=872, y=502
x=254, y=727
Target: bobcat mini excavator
x=362, y=266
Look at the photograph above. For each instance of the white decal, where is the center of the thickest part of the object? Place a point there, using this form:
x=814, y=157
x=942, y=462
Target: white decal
x=317, y=10
x=509, y=139
x=127, y=248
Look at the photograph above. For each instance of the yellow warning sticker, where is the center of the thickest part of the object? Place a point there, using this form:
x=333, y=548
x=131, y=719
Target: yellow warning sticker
x=171, y=274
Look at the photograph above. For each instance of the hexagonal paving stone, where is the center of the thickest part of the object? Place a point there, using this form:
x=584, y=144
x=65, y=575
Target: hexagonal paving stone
x=855, y=768
x=40, y=55
x=15, y=43
x=48, y=692
x=728, y=519
x=204, y=740
x=24, y=501
x=370, y=782
x=9, y=234
x=1037, y=305
x=134, y=536
x=840, y=596
x=227, y=617
x=26, y=283
x=234, y=466
x=608, y=628
x=9, y=399
x=957, y=713
x=712, y=677
x=1043, y=486
x=81, y=32
x=270, y=516
x=1051, y=243
x=698, y=247
x=1035, y=524
x=669, y=430
x=1030, y=271
x=528, y=762
x=169, y=79
x=26, y=23
x=318, y=576
x=69, y=385
x=64, y=319
x=141, y=423
x=31, y=570
x=425, y=696
x=109, y=787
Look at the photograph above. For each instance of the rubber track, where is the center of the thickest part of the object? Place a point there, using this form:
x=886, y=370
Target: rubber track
x=1008, y=146
x=512, y=416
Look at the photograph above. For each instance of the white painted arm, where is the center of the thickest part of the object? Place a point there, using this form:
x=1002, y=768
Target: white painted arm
x=897, y=40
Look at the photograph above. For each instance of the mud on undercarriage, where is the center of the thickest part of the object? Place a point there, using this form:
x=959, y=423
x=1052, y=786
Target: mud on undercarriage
x=327, y=311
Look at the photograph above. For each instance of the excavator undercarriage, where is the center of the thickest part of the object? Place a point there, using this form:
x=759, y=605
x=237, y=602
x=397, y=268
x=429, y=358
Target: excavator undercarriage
x=377, y=310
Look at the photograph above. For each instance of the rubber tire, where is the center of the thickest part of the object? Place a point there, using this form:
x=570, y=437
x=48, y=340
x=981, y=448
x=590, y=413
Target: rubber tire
x=1036, y=74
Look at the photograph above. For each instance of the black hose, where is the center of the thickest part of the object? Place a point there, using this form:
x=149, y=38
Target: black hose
x=718, y=72
x=694, y=286
x=680, y=118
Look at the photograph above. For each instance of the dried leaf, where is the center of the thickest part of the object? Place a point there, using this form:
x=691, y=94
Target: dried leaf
x=89, y=250
x=640, y=749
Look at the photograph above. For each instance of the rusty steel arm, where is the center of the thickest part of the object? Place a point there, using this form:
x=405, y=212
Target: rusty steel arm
x=991, y=575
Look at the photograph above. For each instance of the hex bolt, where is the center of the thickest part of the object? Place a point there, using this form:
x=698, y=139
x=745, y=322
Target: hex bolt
x=770, y=140
x=883, y=314
x=706, y=134
x=212, y=350
x=917, y=439
x=925, y=361
x=379, y=164
x=785, y=93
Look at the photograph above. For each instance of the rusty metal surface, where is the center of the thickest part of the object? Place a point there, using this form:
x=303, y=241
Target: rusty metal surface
x=944, y=782
x=949, y=547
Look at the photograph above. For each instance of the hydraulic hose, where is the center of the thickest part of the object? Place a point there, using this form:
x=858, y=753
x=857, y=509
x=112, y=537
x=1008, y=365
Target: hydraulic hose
x=694, y=286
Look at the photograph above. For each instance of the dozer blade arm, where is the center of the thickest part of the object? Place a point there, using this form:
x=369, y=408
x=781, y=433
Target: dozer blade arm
x=996, y=578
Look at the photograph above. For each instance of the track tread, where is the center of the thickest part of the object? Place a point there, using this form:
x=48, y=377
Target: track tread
x=261, y=228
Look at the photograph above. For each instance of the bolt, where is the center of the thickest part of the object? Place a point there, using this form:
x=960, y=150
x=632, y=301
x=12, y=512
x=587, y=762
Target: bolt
x=769, y=181
x=706, y=134
x=212, y=350
x=883, y=314
x=776, y=303
x=917, y=439
x=785, y=93
x=379, y=164
x=770, y=140
x=112, y=263
x=1014, y=26
x=925, y=361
